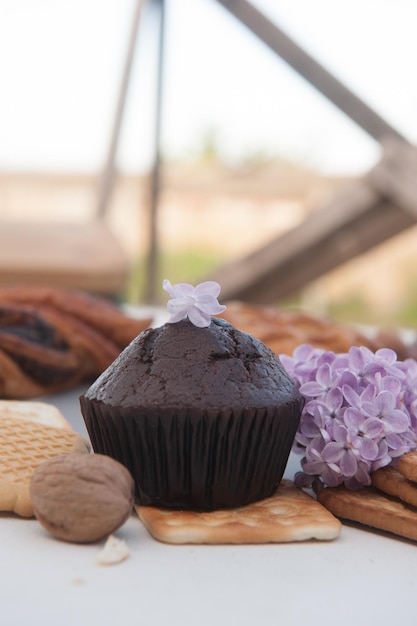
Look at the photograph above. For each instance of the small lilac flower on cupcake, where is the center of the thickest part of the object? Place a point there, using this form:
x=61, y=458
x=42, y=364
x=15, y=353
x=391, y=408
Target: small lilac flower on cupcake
x=197, y=303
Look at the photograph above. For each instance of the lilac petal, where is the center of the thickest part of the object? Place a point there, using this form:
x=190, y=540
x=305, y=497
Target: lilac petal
x=356, y=359
x=396, y=422
x=383, y=448
x=385, y=402
x=368, y=394
x=324, y=438
x=199, y=318
x=367, y=354
x=326, y=358
x=178, y=308
x=320, y=414
x=179, y=304
x=373, y=370
x=347, y=377
x=287, y=362
x=206, y=299
x=333, y=452
x=323, y=375
x=386, y=354
x=348, y=463
x=178, y=290
x=316, y=446
x=312, y=468
x=311, y=389
x=353, y=418
x=341, y=362
x=381, y=462
x=302, y=480
x=391, y=384
x=351, y=396
x=361, y=478
x=209, y=304
x=340, y=433
x=334, y=399
x=373, y=428
x=300, y=440
x=369, y=449
x=209, y=287
x=313, y=455
x=166, y=285
x=177, y=317
x=332, y=475
x=309, y=428
x=394, y=441
x=217, y=309
x=362, y=475
x=369, y=409
x=303, y=352
x=396, y=453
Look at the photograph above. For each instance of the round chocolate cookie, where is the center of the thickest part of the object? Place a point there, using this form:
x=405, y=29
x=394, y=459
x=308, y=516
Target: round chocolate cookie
x=203, y=418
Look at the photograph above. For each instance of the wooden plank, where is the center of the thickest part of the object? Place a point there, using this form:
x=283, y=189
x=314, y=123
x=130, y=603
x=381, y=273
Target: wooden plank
x=152, y=259
x=107, y=178
x=354, y=222
x=395, y=176
x=73, y=255
x=311, y=70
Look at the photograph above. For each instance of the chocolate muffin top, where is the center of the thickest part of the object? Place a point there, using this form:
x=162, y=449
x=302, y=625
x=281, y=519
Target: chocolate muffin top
x=182, y=366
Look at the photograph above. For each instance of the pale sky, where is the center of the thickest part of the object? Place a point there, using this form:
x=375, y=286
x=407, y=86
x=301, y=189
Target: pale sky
x=61, y=62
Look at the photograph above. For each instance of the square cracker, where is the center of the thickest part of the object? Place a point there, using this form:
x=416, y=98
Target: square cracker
x=288, y=516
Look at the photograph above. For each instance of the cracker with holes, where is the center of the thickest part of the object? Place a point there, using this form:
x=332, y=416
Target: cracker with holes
x=288, y=516
x=30, y=433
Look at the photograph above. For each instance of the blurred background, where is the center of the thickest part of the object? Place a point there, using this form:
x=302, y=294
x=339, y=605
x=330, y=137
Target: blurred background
x=248, y=148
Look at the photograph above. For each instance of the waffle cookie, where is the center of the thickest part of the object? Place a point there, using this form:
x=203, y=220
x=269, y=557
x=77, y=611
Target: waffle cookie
x=30, y=433
x=36, y=412
x=290, y=515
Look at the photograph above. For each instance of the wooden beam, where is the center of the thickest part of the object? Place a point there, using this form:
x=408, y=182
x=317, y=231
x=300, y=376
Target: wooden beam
x=395, y=176
x=152, y=259
x=107, y=177
x=354, y=222
x=311, y=70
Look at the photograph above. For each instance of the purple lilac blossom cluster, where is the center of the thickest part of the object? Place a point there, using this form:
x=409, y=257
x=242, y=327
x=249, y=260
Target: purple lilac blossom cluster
x=360, y=412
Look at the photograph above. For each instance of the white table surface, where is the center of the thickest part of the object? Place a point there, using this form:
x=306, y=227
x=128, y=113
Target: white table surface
x=363, y=577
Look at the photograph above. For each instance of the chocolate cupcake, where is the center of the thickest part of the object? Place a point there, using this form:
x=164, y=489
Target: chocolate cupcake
x=203, y=416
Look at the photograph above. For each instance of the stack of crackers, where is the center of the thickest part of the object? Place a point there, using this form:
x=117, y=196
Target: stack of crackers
x=389, y=505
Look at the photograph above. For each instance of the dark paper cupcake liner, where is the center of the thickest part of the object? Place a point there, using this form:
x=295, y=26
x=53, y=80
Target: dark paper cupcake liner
x=196, y=460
